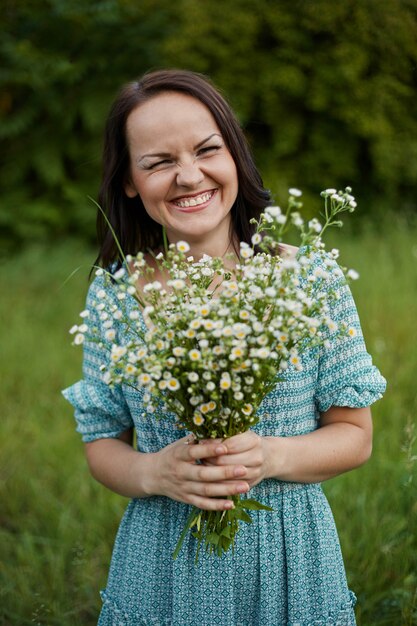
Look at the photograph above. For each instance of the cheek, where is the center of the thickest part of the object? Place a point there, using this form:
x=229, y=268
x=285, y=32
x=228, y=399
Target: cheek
x=230, y=173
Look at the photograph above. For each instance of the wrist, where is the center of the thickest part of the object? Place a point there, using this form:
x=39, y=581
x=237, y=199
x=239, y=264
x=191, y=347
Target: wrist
x=275, y=457
x=144, y=473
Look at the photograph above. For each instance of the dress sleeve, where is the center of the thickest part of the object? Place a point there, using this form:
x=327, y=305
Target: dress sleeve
x=100, y=411
x=346, y=375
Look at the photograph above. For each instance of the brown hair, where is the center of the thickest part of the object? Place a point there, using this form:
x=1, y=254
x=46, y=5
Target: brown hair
x=134, y=229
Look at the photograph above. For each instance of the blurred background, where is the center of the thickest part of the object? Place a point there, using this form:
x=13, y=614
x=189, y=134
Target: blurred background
x=326, y=92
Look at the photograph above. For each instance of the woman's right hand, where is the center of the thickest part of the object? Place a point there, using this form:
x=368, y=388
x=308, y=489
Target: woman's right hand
x=179, y=473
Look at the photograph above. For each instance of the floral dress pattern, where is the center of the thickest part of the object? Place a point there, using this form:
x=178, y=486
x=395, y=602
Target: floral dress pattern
x=287, y=567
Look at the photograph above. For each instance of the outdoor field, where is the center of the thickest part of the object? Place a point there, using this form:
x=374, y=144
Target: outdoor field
x=58, y=525
x=325, y=94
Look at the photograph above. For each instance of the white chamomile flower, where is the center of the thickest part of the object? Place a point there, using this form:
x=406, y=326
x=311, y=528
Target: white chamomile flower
x=294, y=360
x=73, y=329
x=198, y=419
x=246, y=253
x=271, y=292
x=178, y=351
x=140, y=353
x=106, y=378
x=352, y=274
x=315, y=225
x=331, y=325
x=134, y=315
x=79, y=339
x=110, y=334
x=85, y=313
x=236, y=353
x=297, y=220
x=182, y=246
x=195, y=355
x=204, y=310
x=256, y=238
x=293, y=191
x=263, y=353
x=193, y=377
x=101, y=294
x=225, y=382
x=173, y=384
x=119, y=274
x=352, y=332
x=144, y=379
x=273, y=211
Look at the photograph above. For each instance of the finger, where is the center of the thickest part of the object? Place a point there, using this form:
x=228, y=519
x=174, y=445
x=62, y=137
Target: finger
x=218, y=489
x=211, y=473
x=211, y=504
x=198, y=452
x=248, y=459
x=241, y=442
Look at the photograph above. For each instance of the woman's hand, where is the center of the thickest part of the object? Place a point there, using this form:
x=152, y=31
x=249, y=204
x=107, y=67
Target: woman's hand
x=247, y=450
x=180, y=472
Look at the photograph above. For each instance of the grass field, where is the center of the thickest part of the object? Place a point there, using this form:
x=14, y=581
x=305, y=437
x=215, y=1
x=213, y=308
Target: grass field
x=58, y=525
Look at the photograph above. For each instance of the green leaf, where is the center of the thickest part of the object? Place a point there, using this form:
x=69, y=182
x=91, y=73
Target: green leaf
x=226, y=532
x=213, y=538
x=242, y=515
x=254, y=505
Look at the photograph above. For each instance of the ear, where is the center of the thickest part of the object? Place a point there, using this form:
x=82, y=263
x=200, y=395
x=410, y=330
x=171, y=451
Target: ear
x=129, y=189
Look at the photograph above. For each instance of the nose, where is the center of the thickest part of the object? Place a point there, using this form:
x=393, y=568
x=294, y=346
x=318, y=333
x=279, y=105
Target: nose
x=189, y=175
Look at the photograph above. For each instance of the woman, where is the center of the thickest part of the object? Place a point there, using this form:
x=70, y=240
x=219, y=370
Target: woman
x=175, y=156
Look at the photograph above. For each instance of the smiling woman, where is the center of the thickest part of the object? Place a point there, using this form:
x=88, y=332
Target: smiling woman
x=175, y=158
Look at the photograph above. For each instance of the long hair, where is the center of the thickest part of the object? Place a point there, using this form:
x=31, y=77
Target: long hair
x=133, y=227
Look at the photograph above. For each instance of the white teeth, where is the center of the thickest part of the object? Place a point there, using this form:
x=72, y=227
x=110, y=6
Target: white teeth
x=184, y=204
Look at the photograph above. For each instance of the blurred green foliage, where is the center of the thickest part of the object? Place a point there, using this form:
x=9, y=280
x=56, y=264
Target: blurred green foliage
x=325, y=91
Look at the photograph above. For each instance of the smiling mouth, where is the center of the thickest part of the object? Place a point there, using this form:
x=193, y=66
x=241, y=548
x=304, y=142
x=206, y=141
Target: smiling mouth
x=195, y=201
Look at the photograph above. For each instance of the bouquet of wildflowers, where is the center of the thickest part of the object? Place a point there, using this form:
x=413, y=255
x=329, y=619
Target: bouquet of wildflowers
x=213, y=342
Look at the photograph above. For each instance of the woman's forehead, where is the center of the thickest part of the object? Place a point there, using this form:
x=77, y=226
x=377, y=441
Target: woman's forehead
x=169, y=116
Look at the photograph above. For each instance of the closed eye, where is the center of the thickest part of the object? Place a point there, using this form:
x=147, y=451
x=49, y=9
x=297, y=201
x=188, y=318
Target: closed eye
x=208, y=149
x=158, y=164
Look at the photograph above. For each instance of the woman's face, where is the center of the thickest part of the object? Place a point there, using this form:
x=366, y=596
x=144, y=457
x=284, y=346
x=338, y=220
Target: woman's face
x=182, y=169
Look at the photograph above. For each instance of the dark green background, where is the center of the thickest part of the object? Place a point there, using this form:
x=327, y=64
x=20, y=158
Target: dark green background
x=325, y=90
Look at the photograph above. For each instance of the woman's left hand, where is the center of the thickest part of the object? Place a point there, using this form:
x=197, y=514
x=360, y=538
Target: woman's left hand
x=248, y=449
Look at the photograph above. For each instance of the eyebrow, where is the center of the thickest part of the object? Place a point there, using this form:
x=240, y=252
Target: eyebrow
x=167, y=154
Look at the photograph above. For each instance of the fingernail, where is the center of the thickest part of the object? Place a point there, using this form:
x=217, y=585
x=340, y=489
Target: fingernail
x=242, y=487
x=240, y=471
x=229, y=505
x=221, y=450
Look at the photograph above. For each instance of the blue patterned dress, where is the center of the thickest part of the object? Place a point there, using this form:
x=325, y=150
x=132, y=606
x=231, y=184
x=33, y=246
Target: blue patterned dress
x=287, y=568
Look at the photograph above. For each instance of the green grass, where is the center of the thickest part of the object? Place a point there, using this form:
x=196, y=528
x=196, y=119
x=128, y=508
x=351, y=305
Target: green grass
x=58, y=526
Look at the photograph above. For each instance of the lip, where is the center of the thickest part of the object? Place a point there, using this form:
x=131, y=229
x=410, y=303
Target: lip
x=194, y=209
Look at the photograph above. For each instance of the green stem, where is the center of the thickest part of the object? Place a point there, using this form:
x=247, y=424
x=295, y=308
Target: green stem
x=189, y=524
